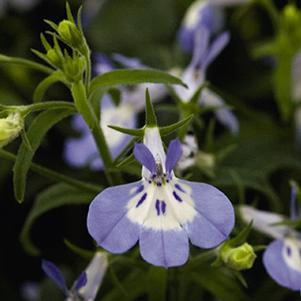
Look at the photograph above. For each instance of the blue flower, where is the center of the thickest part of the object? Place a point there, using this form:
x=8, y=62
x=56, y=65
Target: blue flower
x=160, y=210
x=87, y=284
x=282, y=258
x=83, y=151
x=195, y=74
x=203, y=13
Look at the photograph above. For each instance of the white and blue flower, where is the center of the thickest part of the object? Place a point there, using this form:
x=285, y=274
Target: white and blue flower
x=203, y=13
x=86, y=285
x=282, y=258
x=195, y=75
x=160, y=211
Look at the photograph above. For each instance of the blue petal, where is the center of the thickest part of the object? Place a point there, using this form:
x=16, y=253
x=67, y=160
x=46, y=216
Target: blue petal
x=228, y=119
x=173, y=155
x=102, y=64
x=53, y=272
x=107, y=221
x=278, y=269
x=215, y=216
x=127, y=62
x=217, y=46
x=145, y=157
x=81, y=281
x=294, y=208
x=164, y=248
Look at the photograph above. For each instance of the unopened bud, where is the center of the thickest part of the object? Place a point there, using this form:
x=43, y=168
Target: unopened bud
x=239, y=258
x=10, y=128
x=70, y=34
x=53, y=57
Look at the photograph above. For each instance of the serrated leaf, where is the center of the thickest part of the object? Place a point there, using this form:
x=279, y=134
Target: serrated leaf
x=35, y=134
x=54, y=197
x=133, y=77
x=42, y=87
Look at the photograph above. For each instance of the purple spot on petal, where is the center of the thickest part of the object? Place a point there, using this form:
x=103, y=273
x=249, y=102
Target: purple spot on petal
x=288, y=251
x=163, y=207
x=159, y=184
x=141, y=200
x=177, y=197
x=140, y=189
x=158, y=207
x=180, y=188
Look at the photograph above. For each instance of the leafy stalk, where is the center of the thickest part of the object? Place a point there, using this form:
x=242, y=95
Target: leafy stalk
x=53, y=175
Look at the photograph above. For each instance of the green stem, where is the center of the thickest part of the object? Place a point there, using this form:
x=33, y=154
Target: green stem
x=86, y=110
x=53, y=175
x=49, y=105
x=88, y=71
x=25, y=63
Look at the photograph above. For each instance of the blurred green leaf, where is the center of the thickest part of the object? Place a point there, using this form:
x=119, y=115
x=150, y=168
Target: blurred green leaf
x=133, y=77
x=53, y=197
x=35, y=134
x=157, y=284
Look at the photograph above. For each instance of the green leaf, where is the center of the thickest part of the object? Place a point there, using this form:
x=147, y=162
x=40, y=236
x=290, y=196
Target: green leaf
x=78, y=250
x=40, y=90
x=35, y=134
x=157, y=284
x=241, y=237
x=133, y=77
x=54, y=197
x=220, y=283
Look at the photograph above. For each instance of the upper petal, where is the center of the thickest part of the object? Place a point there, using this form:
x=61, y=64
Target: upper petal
x=107, y=218
x=173, y=155
x=215, y=215
x=278, y=269
x=264, y=221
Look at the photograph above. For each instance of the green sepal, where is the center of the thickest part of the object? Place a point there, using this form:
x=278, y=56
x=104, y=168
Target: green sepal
x=69, y=13
x=166, y=130
x=132, y=132
x=51, y=24
x=150, y=116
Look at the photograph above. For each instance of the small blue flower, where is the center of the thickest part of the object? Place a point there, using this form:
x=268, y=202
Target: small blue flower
x=203, y=13
x=195, y=74
x=83, y=151
x=87, y=284
x=161, y=211
x=282, y=258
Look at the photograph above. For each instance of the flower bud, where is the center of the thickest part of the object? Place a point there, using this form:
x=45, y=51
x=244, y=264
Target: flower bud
x=53, y=57
x=70, y=34
x=10, y=128
x=239, y=258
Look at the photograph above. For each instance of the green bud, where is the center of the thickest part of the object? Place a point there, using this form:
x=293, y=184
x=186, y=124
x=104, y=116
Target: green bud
x=205, y=161
x=10, y=127
x=74, y=67
x=70, y=34
x=239, y=258
x=53, y=57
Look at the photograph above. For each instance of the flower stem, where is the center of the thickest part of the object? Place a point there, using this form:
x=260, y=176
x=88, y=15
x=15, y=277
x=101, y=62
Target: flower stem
x=53, y=175
x=47, y=105
x=86, y=110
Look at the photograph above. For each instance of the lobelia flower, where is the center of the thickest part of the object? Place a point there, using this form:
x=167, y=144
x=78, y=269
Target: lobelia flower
x=195, y=74
x=282, y=258
x=83, y=151
x=160, y=210
x=86, y=286
x=203, y=13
